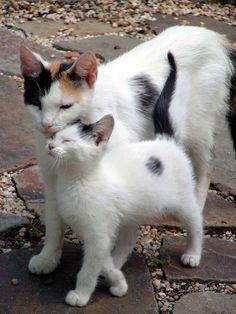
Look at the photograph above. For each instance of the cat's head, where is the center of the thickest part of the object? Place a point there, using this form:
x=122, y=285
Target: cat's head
x=80, y=145
x=56, y=92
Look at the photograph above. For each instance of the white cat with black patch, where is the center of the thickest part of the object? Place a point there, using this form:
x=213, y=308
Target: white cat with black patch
x=100, y=193
x=127, y=88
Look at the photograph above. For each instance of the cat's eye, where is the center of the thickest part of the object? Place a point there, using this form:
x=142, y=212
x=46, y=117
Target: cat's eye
x=64, y=107
x=66, y=141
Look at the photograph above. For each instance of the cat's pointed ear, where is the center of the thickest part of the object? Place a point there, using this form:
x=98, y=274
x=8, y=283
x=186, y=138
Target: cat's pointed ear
x=30, y=64
x=102, y=129
x=85, y=68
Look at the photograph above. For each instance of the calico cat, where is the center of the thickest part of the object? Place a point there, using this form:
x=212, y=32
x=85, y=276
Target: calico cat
x=100, y=193
x=127, y=88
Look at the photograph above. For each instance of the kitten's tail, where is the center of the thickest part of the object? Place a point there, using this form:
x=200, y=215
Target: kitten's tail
x=232, y=110
x=161, y=118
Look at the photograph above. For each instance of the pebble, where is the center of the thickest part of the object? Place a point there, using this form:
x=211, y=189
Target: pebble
x=157, y=284
x=233, y=286
x=15, y=281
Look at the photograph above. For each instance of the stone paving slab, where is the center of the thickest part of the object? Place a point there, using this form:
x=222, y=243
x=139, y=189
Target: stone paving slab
x=50, y=28
x=30, y=188
x=45, y=294
x=8, y=222
x=106, y=47
x=224, y=162
x=164, y=21
x=9, y=53
x=206, y=302
x=218, y=261
x=16, y=130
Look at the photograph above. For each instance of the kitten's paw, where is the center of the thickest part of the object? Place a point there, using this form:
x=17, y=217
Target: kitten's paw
x=192, y=260
x=120, y=289
x=75, y=298
x=43, y=264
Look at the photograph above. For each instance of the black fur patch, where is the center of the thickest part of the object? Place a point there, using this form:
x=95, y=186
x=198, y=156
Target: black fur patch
x=154, y=165
x=146, y=93
x=161, y=117
x=36, y=87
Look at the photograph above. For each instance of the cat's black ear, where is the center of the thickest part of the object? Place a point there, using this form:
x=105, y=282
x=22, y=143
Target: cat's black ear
x=30, y=65
x=102, y=129
x=85, y=68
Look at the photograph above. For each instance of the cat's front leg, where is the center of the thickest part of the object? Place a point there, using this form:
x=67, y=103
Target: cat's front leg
x=97, y=249
x=48, y=259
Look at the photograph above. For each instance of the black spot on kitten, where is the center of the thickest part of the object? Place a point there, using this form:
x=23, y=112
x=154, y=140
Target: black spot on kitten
x=63, y=67
x=146, y=92
x=36, y=87
x=154, y=165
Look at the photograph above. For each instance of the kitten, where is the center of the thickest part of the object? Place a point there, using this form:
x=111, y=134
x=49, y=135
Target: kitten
x=127, y=88
x=101, y=193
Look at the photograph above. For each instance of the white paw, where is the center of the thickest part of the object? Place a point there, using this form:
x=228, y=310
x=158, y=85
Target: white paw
x=43, y=264
x=192, y=260
x=120, y=289
x=75, y=298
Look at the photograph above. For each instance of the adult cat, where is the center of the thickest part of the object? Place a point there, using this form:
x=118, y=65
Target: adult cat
x=99, y=193
x=127, y=88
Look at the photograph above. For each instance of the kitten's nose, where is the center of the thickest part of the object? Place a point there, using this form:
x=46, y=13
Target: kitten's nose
x=46, y=125
x=51, y=146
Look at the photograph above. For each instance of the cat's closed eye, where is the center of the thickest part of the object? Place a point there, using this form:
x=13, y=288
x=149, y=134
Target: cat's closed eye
x=64, y=107
x=66, y=141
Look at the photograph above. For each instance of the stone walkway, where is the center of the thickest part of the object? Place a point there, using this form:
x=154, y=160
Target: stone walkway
x=44, y=294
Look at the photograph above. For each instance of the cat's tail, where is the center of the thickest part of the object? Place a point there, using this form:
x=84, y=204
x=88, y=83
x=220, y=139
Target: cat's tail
x=161, y=117
x=232, y=109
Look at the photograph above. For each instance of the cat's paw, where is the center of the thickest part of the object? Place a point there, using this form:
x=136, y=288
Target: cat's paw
x=75, y=298
x=192, y=260
x=43, y=264
x=120, y=289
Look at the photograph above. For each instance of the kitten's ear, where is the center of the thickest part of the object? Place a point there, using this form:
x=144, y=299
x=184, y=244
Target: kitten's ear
x=85, y=68
x=102, y=129
x=30, y=65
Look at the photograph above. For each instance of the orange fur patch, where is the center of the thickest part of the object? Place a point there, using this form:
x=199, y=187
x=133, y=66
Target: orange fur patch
x=54, y=68
x=68, y=87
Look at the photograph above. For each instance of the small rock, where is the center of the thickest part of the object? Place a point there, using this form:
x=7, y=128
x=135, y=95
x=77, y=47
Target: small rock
x=157, y=284
x=233, y=286
x=14, y=281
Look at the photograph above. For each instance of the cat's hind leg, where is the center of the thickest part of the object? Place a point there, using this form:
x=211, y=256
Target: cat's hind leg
x=124, y=245
x=191, y=219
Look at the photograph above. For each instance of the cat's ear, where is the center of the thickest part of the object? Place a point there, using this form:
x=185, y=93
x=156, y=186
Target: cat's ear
x=102, y=129
x=30, y=64
x=85, y=68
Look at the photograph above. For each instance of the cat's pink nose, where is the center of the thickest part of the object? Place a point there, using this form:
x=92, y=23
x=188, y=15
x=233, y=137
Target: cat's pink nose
x=51, y=146
x=46, y=125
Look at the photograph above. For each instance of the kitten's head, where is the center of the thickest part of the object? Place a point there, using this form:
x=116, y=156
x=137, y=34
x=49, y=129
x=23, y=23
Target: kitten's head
x=56, y=92
x=80, y=145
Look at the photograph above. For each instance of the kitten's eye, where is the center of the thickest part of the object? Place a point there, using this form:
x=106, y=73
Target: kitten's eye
x=64, y=107
x=66, y=141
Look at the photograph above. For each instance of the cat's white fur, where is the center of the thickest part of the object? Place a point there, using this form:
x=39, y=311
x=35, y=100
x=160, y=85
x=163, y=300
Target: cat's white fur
x=204, y=72
x=100, y=194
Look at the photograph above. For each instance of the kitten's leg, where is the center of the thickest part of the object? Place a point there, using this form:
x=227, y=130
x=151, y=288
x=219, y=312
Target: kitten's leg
x=191, y=219
x=115, y=277
x=96, y=252
x=49, y=257
x=124, y=245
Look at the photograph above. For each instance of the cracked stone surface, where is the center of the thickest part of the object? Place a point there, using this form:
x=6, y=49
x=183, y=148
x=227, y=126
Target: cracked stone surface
x=218, y=261
x=45, y=294
x=106, y=47
x=9, y=53
x=16, y=136
x=9, y=222
x=207, y=302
